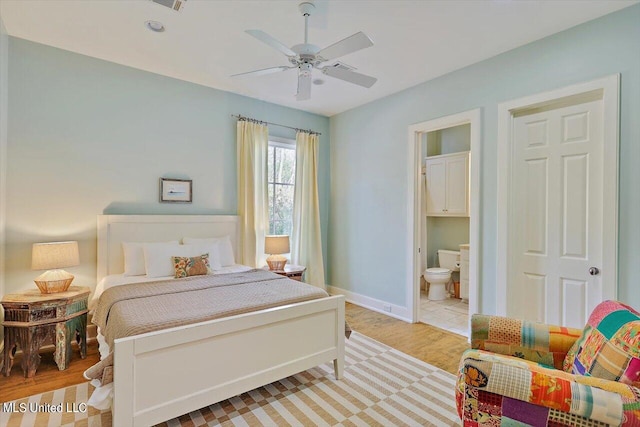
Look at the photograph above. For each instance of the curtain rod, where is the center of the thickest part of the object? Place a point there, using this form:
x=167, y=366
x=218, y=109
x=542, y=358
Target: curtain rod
x=241, y=117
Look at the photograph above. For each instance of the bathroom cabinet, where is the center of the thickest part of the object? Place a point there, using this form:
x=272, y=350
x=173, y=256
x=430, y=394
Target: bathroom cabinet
x=447, y=188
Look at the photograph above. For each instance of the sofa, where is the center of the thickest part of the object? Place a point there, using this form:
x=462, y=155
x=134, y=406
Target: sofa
x=520, y=373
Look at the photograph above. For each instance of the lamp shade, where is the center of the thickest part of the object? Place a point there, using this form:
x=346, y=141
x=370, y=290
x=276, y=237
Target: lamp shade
x=275, y=245
x=48, y=256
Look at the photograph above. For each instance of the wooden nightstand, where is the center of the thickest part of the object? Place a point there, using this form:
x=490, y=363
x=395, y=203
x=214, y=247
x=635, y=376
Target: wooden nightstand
x=293, y=272
x=32, y=319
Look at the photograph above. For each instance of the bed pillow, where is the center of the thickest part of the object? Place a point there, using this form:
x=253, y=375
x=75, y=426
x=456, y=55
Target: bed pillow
x=191, y=266
x=224, y=247
x=158, y=259
x=134, y=264
x=608, y=347
x=208, y=248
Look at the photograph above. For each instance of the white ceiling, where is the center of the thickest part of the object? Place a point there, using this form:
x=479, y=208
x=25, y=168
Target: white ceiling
x=205, y=43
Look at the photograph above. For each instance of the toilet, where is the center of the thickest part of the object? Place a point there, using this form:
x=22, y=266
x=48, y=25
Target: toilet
x=438, y=277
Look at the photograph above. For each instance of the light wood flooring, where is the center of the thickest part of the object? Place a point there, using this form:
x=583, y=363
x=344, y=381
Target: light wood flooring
x=428, y=343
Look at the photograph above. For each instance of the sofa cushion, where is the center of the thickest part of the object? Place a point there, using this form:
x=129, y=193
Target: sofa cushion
x=609, y=346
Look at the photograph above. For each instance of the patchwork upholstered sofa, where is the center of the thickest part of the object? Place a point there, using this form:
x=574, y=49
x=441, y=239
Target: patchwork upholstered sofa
x=522, y=373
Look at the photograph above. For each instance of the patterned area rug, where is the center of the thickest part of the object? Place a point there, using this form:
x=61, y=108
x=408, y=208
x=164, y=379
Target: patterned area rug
x=381, y=386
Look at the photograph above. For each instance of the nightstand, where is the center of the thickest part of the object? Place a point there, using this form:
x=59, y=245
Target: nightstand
x=32, y=319
x=293, y=272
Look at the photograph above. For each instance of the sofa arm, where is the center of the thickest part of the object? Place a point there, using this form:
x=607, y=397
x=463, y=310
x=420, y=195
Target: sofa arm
x=592, y=398
x=538, y=342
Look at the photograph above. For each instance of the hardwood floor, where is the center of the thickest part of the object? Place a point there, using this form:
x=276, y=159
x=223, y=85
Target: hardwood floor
x=433, y=345
x=430, y=344
x=47, y=377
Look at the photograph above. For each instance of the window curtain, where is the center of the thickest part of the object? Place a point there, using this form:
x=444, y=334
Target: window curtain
x=253, y=201
x=306, y=239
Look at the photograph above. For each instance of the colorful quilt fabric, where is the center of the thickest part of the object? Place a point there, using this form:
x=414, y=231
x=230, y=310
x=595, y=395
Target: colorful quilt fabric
x=609, y=346
x=504, y=390
x=537, y=342
x=513, y=375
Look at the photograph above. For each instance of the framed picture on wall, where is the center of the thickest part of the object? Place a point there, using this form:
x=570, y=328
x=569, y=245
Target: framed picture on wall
x=175, y=190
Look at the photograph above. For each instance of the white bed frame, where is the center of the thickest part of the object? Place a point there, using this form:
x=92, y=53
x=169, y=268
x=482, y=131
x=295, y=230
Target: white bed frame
x=164, y=374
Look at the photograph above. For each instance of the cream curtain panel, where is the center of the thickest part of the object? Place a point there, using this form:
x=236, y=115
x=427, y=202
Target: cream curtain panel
x=306, y=240
x=253, y=201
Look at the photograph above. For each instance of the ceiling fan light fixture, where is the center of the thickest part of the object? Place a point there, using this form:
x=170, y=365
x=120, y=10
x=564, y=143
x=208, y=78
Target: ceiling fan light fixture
x=306, y=56
x=155, y=26
x=305, y=70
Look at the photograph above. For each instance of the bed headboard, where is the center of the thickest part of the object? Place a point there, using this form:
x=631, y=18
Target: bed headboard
x=115, y=229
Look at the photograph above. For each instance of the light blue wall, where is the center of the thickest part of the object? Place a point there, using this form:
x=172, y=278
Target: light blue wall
x=368, y=218
x=447, y=141
x=445, y=233
x=88, y=137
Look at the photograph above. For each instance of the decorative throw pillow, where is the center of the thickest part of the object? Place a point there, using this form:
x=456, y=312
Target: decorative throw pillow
x=609, y=346
x=191, y=266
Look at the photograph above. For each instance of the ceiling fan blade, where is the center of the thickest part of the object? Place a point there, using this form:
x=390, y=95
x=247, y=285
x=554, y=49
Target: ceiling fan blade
x=304, y=87
x=350, y=76
x=266, y=38
x=263, y=71
x=350, y=44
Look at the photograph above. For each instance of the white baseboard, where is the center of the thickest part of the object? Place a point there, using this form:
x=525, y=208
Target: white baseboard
x=373, y=304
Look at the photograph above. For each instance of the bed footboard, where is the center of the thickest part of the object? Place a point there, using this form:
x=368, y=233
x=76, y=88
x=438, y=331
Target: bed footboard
x=164, y=374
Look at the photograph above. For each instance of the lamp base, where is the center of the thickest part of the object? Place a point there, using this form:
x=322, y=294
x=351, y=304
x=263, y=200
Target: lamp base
x=276, y=262
x=53, y=281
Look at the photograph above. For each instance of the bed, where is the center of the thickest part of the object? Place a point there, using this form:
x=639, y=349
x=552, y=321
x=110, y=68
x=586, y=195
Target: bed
x=163, y=374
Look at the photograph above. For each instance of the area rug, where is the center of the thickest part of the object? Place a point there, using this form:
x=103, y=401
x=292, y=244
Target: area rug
x=381, y=386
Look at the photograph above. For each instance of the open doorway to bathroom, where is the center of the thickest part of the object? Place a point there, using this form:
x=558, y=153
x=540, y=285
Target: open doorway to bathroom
x=444, y=228
x=444, y=210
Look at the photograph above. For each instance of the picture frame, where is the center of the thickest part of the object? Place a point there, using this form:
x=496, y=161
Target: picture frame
x=176, y=190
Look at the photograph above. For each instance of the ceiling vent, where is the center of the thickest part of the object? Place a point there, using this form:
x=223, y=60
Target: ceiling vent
x=176, y=5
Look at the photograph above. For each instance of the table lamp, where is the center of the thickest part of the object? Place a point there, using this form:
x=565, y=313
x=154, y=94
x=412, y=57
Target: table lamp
x=52, y=257
x=275, y=246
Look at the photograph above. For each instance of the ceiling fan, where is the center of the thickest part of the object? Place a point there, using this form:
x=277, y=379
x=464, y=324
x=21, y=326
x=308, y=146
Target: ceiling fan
x=305, y=57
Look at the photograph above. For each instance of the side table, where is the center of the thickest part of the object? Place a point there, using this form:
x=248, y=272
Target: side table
x=32, y=319
x=293, y=272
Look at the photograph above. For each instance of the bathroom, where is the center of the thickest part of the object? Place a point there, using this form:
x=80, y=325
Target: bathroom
x=444, y=228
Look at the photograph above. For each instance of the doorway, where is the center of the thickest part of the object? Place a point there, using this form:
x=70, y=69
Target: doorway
x=426, y=234
x=557, y=203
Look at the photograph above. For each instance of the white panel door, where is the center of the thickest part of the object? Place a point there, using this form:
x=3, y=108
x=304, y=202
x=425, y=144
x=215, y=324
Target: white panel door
x=556, y=215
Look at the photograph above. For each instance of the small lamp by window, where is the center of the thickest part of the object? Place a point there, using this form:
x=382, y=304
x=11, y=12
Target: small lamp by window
x=275, y=246
x=52, y=257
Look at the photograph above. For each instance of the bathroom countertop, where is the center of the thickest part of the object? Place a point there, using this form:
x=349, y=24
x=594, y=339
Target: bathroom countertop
x=465, y=246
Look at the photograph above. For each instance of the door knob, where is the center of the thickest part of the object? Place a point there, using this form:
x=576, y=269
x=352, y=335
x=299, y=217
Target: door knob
x=594, y=271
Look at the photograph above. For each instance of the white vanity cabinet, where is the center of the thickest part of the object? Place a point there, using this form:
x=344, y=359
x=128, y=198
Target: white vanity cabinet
x=448, y=184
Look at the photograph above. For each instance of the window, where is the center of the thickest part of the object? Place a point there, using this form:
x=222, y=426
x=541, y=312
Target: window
x=281, y=168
